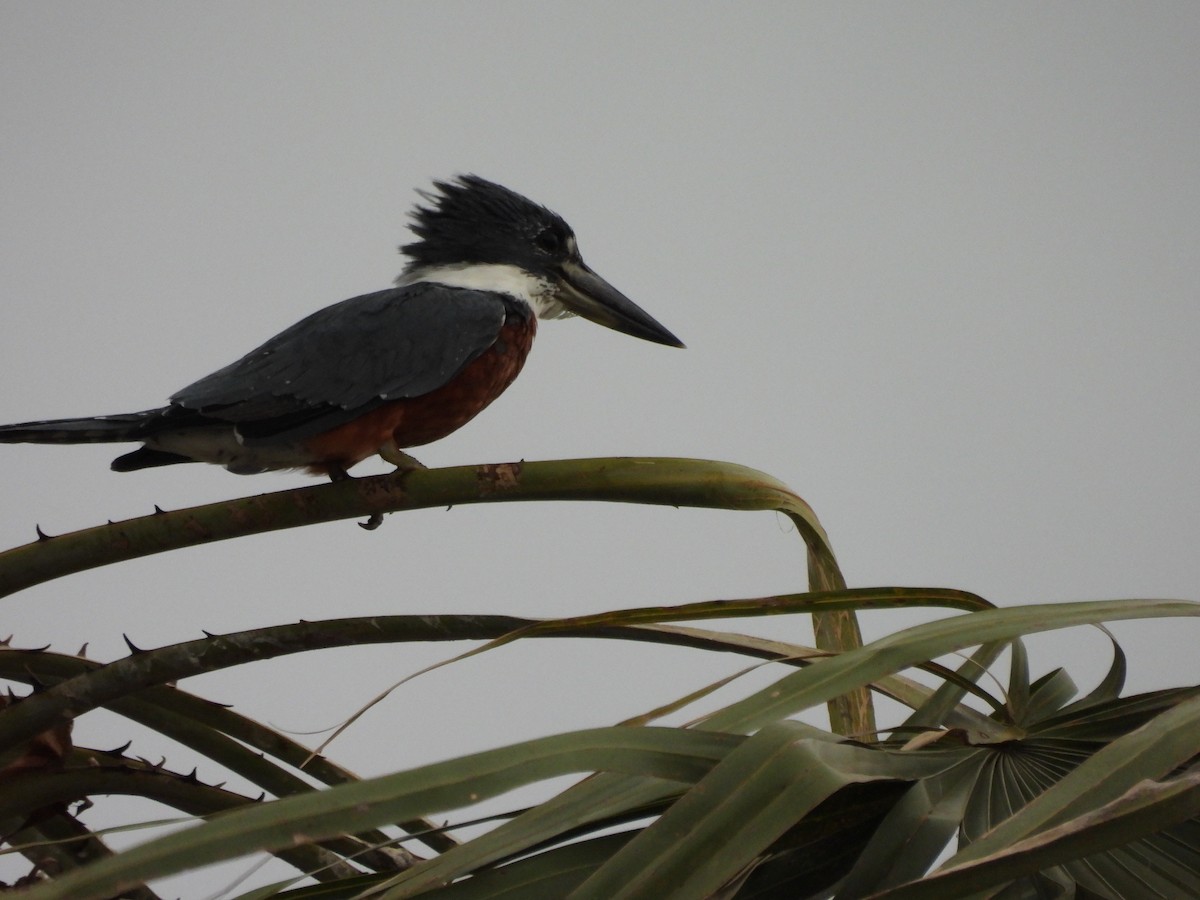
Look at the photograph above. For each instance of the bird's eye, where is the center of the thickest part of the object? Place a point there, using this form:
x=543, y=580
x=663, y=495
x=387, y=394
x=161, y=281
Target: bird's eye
x=549, y=241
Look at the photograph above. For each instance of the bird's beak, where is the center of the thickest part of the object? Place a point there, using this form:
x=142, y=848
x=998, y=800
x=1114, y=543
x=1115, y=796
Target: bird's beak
x=584, y=292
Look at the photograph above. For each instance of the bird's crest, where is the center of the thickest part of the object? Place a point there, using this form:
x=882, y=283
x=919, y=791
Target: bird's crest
x=472, y=220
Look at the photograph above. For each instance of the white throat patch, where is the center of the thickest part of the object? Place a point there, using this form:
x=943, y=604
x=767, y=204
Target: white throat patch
x=503, y=279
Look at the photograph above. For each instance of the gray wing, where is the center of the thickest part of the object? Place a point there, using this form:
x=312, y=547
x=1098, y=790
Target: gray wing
x=347, y=359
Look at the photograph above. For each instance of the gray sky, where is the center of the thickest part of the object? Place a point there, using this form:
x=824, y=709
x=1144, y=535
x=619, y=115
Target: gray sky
x=936, y=266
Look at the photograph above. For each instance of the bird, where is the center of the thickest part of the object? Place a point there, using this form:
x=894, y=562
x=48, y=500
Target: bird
x=384, y=372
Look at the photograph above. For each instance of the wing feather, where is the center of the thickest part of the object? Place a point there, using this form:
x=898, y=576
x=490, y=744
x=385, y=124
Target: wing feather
x=347, y=359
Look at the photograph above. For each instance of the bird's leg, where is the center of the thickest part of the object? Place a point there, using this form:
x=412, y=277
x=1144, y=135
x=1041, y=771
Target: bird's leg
x=391, y=452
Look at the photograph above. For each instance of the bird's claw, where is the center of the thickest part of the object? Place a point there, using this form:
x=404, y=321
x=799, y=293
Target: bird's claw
x=372, y=523
x=390, y=452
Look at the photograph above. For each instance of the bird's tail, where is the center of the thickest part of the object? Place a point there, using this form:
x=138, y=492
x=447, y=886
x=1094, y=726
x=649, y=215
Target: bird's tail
x=95, y=430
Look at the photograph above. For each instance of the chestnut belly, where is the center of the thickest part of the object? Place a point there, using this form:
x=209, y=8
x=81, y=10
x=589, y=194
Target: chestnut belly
x=414, y=421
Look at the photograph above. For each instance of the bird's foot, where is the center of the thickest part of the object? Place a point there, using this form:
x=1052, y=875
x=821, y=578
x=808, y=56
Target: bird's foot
x=392, y=453
x=338, y=473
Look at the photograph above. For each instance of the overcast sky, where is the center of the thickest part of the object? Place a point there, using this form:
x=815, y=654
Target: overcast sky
x=936, y=266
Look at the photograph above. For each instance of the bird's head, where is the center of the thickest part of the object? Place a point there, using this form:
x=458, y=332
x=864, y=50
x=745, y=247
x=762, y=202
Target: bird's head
x=478, y=234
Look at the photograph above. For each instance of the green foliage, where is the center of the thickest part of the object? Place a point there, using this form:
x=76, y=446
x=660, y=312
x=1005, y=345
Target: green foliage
x=1031, y=790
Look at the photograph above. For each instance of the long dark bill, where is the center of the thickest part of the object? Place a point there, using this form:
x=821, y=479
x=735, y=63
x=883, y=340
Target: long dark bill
x=584, y=292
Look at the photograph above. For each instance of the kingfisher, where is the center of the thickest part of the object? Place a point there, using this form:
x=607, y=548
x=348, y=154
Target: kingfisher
x=387, y=371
